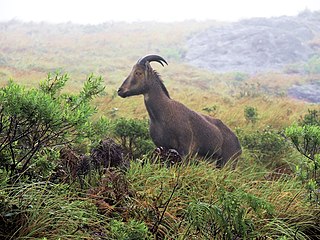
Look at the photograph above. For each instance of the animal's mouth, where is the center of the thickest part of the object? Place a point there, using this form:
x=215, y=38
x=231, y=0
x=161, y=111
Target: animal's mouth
x=122, y=93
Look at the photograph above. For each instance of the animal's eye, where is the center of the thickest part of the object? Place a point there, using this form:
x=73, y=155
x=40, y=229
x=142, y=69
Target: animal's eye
x=138, y=74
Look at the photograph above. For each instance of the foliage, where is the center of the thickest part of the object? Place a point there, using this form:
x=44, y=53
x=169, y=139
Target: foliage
x=32, y=120
x=133, y=135
x=251, y=114
x=311, y=118
x=306, y=139
x=227, y=218
x=308, y=173
x=53, y=84
x=112, y=191
x=131, y=230
x=99, y=130
x=267, y=145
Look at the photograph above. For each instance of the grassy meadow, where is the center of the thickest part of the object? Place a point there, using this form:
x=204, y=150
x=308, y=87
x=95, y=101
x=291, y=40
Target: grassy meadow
x=267, y=196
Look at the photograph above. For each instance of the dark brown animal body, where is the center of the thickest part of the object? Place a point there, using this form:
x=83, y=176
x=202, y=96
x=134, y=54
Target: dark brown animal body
x=172, y=124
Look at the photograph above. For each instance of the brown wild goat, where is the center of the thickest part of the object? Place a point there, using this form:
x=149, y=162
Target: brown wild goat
x=173, y=125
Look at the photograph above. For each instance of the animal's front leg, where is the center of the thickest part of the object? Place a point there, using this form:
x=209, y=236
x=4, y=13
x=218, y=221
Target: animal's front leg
x=185, y=144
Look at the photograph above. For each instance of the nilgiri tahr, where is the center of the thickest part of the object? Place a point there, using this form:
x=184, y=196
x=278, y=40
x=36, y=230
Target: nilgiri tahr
x=175, y=126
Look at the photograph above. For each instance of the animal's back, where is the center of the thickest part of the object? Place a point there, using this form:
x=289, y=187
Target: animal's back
x=191, y=133
x=231, y=147
x=186, y=131
x=210, y=136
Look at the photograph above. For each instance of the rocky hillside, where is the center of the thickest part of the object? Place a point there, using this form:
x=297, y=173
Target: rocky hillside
x=256, y=45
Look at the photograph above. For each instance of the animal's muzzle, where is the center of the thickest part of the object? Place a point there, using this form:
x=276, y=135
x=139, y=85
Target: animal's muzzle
x=122, y=93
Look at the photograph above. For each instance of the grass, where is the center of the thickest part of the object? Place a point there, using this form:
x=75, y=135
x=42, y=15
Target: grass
x=180, y=202
x=283, y=198
x=43, y=210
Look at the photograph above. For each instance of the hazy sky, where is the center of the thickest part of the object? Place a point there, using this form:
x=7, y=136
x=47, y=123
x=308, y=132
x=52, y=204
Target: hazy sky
x=98, y=11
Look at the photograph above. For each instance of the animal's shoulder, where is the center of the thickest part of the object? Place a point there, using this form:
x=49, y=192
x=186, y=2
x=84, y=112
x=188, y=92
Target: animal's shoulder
x=212, y=120
x=184, y=111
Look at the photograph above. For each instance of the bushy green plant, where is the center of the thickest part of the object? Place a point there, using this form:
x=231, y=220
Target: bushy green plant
x=267, y=145
x=37, y=118
x=133, y=135
x=305, y=136
x=306, y=140
x=99, y=130
x=311, y=118
x=251, y=114
x=227, y=218
x=131, y=230
x=53, y=84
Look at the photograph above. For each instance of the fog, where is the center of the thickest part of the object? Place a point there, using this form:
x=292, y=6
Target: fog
x=95, y=11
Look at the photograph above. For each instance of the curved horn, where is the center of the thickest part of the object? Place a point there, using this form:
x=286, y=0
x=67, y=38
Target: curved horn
x=150, y=58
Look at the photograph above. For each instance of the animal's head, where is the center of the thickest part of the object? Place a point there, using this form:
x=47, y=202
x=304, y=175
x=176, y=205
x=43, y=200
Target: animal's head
x=138, y=81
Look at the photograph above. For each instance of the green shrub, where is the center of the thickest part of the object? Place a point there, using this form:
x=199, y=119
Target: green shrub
x=305, y=136
x=131, y=230
x=227, y=218
x=306, y=140
x=267, y=145
x=133, y=135
x=251, y=114
x=99, y=130
x=32, y=120
x=311, y=118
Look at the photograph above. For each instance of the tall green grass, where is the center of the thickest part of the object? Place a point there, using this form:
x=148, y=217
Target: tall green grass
x=187, y=201
x=208, y=203
x=46, y=211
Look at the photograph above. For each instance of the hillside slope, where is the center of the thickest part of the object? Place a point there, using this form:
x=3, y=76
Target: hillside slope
x=256, y=45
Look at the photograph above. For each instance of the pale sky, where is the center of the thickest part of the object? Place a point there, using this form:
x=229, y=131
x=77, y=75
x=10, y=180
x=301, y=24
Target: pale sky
x=99, y=11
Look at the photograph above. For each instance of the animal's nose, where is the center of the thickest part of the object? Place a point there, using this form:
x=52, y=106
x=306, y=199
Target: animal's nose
x=121, y=92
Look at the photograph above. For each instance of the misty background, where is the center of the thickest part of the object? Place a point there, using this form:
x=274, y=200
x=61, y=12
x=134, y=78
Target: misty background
x=246, y=38
x=95, y=11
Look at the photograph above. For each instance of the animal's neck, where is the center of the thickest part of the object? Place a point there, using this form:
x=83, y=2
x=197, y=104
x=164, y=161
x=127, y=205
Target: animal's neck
x=157, y=102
